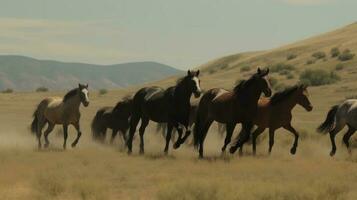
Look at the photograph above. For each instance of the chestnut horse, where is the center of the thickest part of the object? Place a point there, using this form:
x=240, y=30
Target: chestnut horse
x=230, y=108
x=171, y=106
x=275, y=112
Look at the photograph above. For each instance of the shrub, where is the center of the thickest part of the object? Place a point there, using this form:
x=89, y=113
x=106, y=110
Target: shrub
x=225, y=66
x=319, y=55
x=290, y=76
x=280, y=87
x=284, y=72
x=291, y=56
x=310, y=62
x=245, y=68
x=273, y=81
x=318, y=77
x=334, y=52
x=42, y=89
x=103, y=91
x=281, y=67
x=346, y=55
x=339, y=67
x=8, y=90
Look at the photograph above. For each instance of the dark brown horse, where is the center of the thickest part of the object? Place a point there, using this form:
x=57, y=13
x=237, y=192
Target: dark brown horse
x=230, y=107
x=275, y=112
x=171, y=106
x=115, y=118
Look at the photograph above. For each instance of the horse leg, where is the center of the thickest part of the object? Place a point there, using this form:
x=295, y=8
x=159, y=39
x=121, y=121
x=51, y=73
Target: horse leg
x=79, y=133
x=255, y=134
x=242, y=137
x=47, y=132
x=65, y=135
x=40, y=124
x=114, y=134
x=103, y=135
x=296, y=140
x=333, y=134
x=346, y=137
x=133, y=123
x=206, y=126
x=144, y=124
x=271, y=139
x=230, y=129
x=179, y=132
x=168, y=137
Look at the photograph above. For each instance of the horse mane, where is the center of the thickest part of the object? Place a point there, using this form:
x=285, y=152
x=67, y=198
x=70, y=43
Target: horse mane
x=280, y=96
x=70, y=94
x=125, y=100
x=243, y=84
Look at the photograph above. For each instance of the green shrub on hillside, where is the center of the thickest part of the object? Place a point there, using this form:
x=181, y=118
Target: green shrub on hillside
x=291, y=56
x=346, y=55
x=8, y=90
x=245, y=68
x=310, y=62
x=290, y=76
x=281, y=67
x=42, y=89
x=273, y=81
x=334, y=52
x=339, y=67
x=316, y=77
x=319, y=55
x=280, y=86
x=103, y=91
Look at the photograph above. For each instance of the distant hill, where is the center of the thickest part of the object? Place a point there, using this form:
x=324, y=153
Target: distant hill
x=25, y=73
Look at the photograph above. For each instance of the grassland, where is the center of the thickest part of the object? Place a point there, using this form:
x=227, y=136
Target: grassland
x=93, y=171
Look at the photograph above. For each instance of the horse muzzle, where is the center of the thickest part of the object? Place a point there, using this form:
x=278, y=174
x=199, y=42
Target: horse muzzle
x=197, y=94
x=267, y=93
x=86, y=103
x=309, y=108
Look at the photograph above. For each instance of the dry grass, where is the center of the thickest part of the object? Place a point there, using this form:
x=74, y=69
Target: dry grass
x=93, y=171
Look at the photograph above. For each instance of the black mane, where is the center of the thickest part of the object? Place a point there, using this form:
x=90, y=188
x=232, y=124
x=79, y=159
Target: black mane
x=279, y=96
x=70, y=94
x=242, y=85
x=125, y=100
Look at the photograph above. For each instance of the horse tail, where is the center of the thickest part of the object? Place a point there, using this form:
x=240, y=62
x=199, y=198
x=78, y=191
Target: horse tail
x=329, y=123
x=197, y=135
x=96, y=125
x=34, y=123
x=36, y=114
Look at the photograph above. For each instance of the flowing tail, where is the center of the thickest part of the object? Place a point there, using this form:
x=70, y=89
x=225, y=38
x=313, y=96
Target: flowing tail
x=329, y=123
x=197, y=134
x=36, y=114
x=34, y=123
x=96, y=125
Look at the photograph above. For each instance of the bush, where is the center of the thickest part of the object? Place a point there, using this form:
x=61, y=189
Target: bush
x=244, y=69
x=103, y=91
x=290, y=76
x=319, y=55
x=346, y=55
x=281, y=67
x=335, y=52
x=273, y=81
x=280, y=87
x=318, y=77
x=42, y=89
x=339, y=67
x=284, y=72
x=8, y=90
x=291, y=56
x=310, y=62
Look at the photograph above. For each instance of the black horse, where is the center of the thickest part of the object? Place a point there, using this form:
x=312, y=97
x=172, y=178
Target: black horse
x=115, y=118
x=171, y=106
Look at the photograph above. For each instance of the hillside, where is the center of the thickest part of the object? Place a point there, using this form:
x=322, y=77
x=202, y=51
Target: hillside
x=24, y=73
x=238, y=66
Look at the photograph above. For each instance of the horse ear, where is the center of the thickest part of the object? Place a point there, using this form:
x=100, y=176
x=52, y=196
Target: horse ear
x=259, y=71
x=198, y=72
x=188, y=72
x=87, y=85
x=80, y=86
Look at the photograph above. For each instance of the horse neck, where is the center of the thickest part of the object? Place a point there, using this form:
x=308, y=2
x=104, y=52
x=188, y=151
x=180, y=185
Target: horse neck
x=289, y=103
x=252, y=96
x=182, y=95
x=73, y=103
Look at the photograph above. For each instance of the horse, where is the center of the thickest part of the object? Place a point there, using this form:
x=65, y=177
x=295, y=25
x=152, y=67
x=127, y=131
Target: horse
x=230, y=107
x=275, y=112
x=337, y=118
x=65, y=111
x=171, y=106
x=115, y=118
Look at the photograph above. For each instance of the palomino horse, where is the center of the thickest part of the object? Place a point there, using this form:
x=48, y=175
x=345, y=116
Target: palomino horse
x=63, y=111
x=171, y=106
x=230, y=108
x=337, y=118
x=115, y=118
x=275, y=112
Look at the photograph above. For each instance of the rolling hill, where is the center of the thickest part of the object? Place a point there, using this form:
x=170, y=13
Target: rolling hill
x=25, y=73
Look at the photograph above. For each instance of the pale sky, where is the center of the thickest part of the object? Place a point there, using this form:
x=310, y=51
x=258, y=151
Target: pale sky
x=181, y=33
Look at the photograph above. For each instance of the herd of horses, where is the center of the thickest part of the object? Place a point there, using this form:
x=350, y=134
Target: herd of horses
x=172, y=109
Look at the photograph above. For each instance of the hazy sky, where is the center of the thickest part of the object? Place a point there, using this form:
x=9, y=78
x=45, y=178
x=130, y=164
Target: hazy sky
x=181, y=33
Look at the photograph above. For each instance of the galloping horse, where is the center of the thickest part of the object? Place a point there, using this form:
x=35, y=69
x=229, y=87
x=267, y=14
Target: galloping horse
x=63, y=111
x=275, y=112
x=115, y=118
x=230, y=108
x=171, y=106
x=337, y=118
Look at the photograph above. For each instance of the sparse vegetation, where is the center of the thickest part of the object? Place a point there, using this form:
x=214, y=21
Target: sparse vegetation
x=280, y=86
x=316, y=77
x=319, y=55
x=346, y=55
x=245, y=68
x=290, y=76
x=281, y=67
x=335, y=52
x=8, y=90
x=42, y=89
x=339, y=67
x=291, y=56
x=273, y=81
x=310, y=62
x=103, y=91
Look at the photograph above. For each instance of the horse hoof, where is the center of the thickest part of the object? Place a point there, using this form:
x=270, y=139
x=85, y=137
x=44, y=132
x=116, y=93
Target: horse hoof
x=129, y=152
x=177, y=145
x=232, y=150
x=141, y=152
x=293, y=151
x=46, y=145
x=332, y=153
